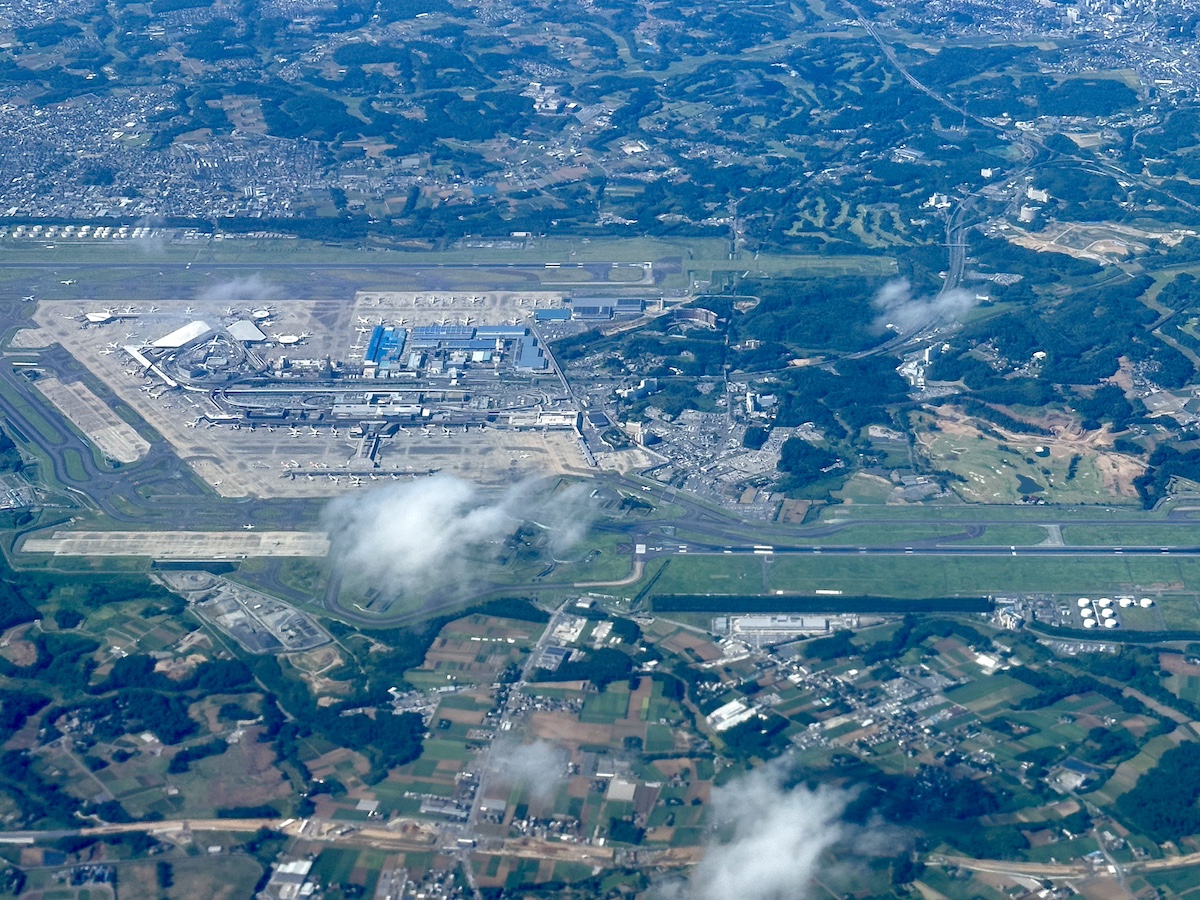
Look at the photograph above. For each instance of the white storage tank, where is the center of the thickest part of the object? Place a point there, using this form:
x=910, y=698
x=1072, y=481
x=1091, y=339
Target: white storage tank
x=1110, y=623
x=1089, y=623
x=1145, y=603
x=1087, y=613
x=1084, y=601
x=1104, y=602
x=1125, y=602
x=1108, y=614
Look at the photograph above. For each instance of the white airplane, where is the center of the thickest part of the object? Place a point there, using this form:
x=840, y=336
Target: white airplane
x=192, y=424
x=355, y=481
x=154, y=309
x=112, y=345
x=27, y=299
x=248, y=527
x=229, y=310
x=402, y=429
x=445, y=431
x=130, y=334
x=363, y=320
x=130, y=310
x=336, y=479
x=474, y=300
x=218, y=482
x=107, y=352
x=67, y=281
x=305, y=334
x=294, y=432
x=188, y=310
x=314, y=432
x=333, y=431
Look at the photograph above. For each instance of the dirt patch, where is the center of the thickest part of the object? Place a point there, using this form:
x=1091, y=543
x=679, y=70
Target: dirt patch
x=1177, y=664
x=566, y=729
x=672, y=767
x=244, y=775
x=19, y=653
x=468, y=716
x=682, y=641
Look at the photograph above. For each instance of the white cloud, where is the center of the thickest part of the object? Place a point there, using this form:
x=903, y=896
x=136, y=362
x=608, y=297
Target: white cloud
x=436, y=531
x=905, y=313
x=248, y=289
x=773, y=840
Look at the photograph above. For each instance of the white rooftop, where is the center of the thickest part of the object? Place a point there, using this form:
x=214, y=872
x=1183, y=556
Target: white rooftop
x=181, y=336
x=246, y=332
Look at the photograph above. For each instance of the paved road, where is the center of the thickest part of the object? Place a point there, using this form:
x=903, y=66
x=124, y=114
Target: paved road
x=915, y=550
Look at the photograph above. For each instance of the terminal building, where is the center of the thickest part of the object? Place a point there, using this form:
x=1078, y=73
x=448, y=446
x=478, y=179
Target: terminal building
x=385, y=351
x=592, y=309
x=392, y=351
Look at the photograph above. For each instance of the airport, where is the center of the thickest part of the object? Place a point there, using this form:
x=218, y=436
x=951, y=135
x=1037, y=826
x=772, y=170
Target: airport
x=308, y=397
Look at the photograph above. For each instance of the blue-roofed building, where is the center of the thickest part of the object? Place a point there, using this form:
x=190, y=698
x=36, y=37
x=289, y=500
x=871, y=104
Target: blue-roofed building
x=530, y=356
x=501, y=332
x=384, y=350
x=552, y=315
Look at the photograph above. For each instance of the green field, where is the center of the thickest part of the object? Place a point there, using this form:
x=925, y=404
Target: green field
x=925, y=575
x=605, y=708
x=1131, y=535
x=711, y=574
x=933, y=576
x=954, y=511
x=989, y=692
x=477, y=267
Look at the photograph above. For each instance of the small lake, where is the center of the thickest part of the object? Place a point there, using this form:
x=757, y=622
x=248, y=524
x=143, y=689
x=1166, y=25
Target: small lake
x=1028, y=485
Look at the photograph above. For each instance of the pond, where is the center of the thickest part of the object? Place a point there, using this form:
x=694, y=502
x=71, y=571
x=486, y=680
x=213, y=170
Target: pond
x=1028, y=486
